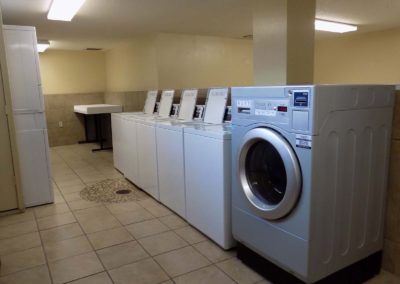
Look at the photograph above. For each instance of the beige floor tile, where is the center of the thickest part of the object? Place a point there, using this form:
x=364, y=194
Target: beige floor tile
x=58, y=198
x=51, y=209
x=384, y=278
x=17, y=229
x=72, y=196
x=148, y=202
x=76, y=267
x=181, y=261
x=19, y=243
x=101, y=278
x=209, y=275
x=82, y=204
x=173, y=221
x=122, y=254
x=213, y=252
x=36, y=275
x=61, y=233
x=191, y=235
x=169, y=282
x=136, y=216
x=72, y=189
x=22, y=260
x=17, y=218
x=146, y=228
x=67, y=248
x=70, y=182
x=146, y=271
x=159, y=210
x=163, y=242
x=238, y=271
x=117, y=208
x=55, y=220
x=96, y=219
x=109, y=238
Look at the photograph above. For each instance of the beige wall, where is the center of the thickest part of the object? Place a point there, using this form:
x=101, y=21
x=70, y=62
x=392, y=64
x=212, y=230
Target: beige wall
x=366, y=58
x=179, y=61
x=132, y=66
x=72, y=72
x=185, y=61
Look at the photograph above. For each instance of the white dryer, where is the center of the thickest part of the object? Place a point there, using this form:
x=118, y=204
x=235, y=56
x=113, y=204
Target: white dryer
x=147, y=178
x=309, y=180
x=208, y=181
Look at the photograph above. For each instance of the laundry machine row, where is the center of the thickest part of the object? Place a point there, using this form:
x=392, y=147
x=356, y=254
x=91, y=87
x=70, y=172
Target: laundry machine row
x=309, y=178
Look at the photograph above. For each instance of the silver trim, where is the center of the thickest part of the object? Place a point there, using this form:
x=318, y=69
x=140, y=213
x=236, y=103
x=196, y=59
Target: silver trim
x=293, y=172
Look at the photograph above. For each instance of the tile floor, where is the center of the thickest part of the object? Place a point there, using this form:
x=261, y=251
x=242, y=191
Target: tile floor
x=76, y=241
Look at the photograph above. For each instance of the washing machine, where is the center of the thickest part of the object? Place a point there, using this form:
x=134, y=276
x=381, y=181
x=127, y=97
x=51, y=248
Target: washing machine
x=170, y=145
x=309, y=180
x=207, y=154
x=170, y=152
x=147, y=176
x=124, y=132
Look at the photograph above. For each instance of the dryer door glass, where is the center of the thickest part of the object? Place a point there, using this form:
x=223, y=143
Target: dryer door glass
x=269, y=173
x=266, y=172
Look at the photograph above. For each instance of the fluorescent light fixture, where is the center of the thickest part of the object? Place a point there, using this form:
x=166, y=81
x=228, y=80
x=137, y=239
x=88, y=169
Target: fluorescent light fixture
x=334, y=27
x=43, y=45
x=64, y=10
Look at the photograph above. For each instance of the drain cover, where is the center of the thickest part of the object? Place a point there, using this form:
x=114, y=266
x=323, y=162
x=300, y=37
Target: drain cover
x=123, y=191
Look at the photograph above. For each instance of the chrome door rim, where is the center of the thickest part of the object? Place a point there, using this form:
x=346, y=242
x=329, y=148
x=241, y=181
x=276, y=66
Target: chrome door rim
x=293, y=173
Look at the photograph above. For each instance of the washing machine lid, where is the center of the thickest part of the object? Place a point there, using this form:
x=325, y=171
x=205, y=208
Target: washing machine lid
x=150, y=103
x=269, y=173
x=222, y=131
x=187, y=104
x=215, y=105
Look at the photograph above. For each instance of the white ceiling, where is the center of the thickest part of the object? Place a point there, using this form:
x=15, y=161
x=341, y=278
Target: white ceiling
x=105, y=23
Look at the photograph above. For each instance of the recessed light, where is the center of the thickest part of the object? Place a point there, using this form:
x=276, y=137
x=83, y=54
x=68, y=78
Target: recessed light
x=64, y=10
x=334, y=27
x=42, y=45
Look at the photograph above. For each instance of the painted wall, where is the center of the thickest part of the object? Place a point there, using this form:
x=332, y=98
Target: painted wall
x=366, y=58
x=72, y=72
x=179, y=61
x=185, y=61
x=132, y=66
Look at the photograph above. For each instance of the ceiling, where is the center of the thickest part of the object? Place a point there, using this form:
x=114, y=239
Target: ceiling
x=105, y=23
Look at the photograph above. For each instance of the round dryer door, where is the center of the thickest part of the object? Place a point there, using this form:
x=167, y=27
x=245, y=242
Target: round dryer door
x=269, y=173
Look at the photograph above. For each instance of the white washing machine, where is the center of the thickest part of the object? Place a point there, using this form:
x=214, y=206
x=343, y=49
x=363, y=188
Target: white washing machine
x=147, y=177
x=208, y=181
x=170, y=145
x=310, y=167
x=124, y=134
x=170, y=152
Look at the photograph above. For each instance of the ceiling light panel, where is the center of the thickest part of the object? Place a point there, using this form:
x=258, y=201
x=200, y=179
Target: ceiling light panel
x=334, y=27
x=64, y=10
x=43, y=45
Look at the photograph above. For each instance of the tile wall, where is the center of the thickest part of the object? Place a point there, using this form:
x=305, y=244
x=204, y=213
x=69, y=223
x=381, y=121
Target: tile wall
x=61, y=108
x=391, y=258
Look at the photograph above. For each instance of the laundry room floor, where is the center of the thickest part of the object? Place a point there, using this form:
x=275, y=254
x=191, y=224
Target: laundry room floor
x=78, y=241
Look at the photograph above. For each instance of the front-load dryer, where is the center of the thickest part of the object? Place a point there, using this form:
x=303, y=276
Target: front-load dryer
x=309, y=180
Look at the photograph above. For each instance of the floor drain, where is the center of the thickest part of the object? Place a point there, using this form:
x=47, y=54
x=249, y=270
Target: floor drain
x=123, y=191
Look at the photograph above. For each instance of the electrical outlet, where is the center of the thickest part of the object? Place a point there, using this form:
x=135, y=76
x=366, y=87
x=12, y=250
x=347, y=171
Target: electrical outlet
x=60, y=124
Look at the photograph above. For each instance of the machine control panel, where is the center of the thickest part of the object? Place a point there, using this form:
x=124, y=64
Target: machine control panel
x=301, y=98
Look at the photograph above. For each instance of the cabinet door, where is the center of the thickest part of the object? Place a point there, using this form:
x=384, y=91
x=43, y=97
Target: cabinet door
x=35, y=171
x=23, y=69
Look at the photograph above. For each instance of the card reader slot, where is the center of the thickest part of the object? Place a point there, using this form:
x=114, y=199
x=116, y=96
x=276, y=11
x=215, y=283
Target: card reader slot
x=244, y=110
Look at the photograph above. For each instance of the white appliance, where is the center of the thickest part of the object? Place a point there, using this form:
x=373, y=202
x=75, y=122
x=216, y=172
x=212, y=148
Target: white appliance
x=310, y=167
x=147, y=177
x=124, y=137
x=170, y=152
x=170, y=148
x=208, y=163
x=28, y=110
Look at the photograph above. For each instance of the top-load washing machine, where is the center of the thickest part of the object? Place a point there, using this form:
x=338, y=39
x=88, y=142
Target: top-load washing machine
x=147, y=178
x=310, y=168
x=124, y=136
